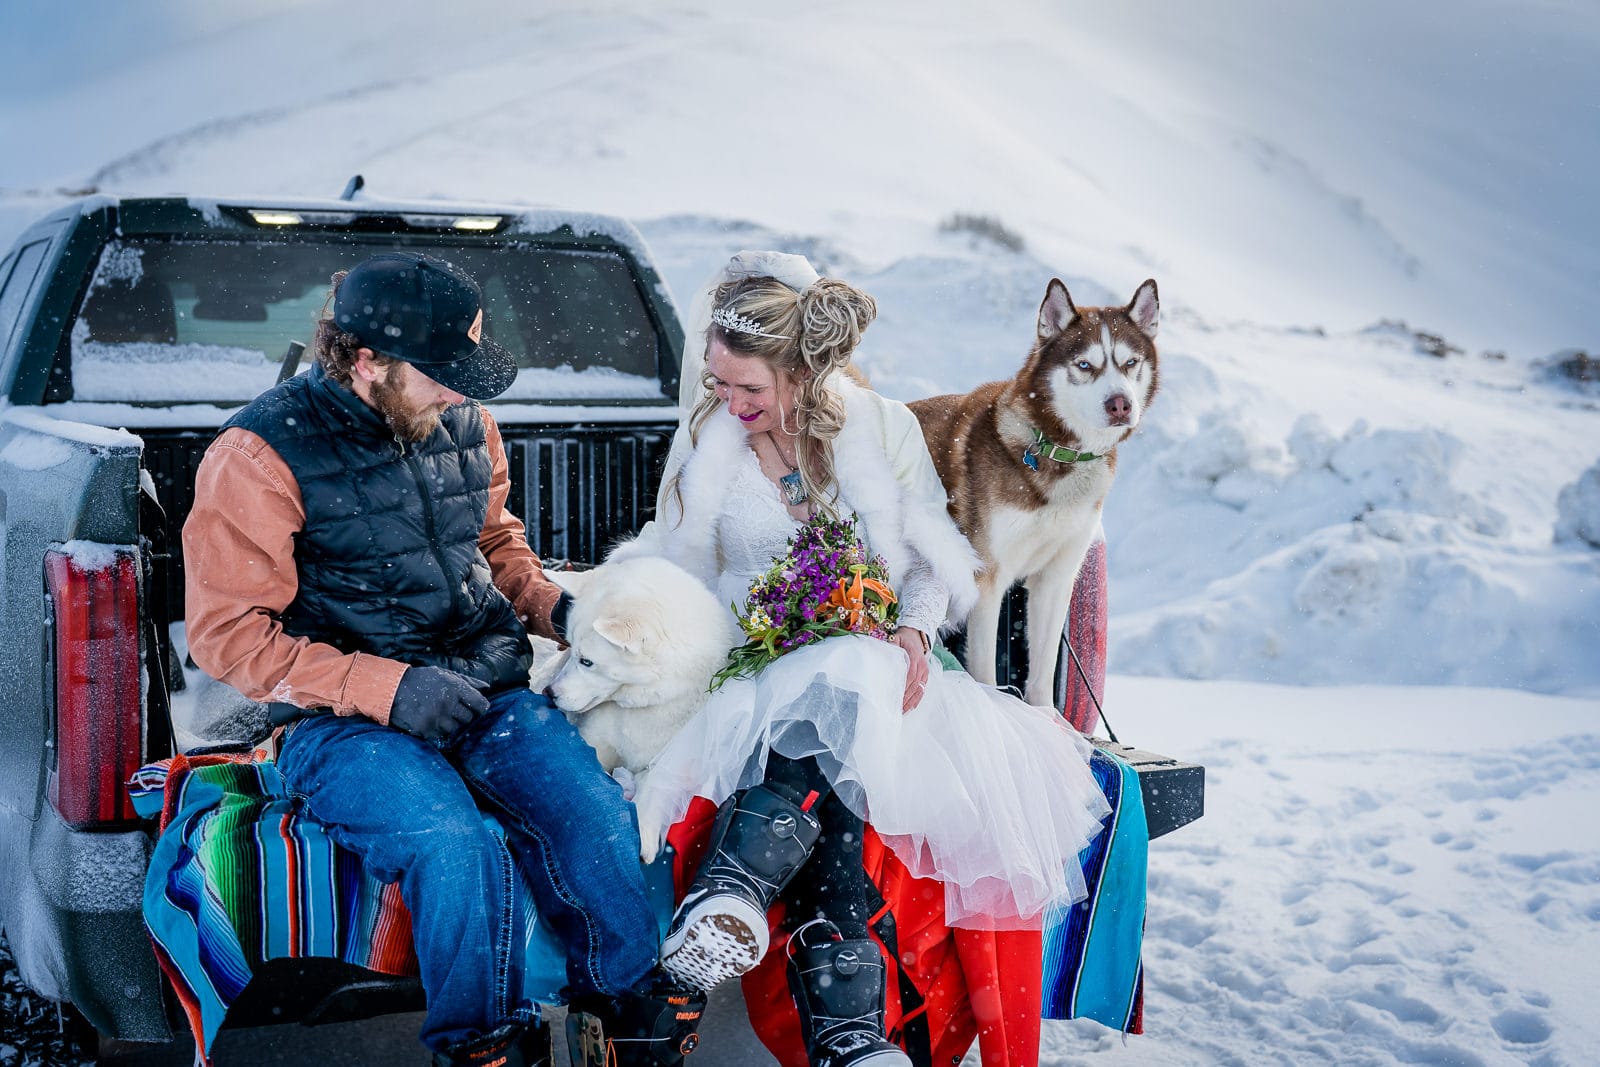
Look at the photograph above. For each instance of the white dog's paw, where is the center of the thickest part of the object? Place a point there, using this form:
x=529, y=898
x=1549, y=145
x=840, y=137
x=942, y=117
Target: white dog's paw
x=653, y=823
x=649, y=848
x=629, y=784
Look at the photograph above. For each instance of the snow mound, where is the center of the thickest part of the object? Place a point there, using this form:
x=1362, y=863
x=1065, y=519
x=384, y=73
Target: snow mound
x=1340, y=559
x=1397, y=597
x=1578, y=509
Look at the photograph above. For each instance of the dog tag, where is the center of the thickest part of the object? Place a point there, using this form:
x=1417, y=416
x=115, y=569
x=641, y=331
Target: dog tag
x=1029, y=460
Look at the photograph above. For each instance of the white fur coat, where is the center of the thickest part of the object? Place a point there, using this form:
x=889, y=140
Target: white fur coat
x=886, y=477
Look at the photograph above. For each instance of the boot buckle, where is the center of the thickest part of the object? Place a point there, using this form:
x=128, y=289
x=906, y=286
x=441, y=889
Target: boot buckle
x=846, y=963
x=783, y=824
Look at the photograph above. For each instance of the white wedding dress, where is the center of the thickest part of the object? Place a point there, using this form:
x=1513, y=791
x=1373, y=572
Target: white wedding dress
x=989, y=795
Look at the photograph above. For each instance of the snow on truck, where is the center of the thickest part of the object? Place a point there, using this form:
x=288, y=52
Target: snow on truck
x=130, y=330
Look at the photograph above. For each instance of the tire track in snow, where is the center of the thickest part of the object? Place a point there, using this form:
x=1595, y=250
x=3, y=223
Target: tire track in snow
x=155, y=158
x=590, y=73
x=164, y=155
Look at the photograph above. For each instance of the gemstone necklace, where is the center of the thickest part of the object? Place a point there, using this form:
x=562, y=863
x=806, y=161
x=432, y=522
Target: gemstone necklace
x=794, y=487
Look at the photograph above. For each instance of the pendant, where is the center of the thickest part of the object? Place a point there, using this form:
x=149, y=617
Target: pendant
x=1030, y=460
x=794, y=489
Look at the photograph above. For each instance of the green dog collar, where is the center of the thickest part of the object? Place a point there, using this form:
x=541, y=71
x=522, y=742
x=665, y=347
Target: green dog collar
x=1043, y=446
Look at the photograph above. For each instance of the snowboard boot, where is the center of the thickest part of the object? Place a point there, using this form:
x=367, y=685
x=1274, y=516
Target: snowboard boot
x=655, y=1024
x=511, y=1045
x=720, y=930
x=838, y=987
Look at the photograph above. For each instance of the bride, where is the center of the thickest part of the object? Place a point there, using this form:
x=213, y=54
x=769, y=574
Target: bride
x=965, y=783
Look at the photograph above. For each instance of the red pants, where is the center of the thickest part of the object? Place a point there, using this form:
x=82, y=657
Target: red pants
x=970, y=983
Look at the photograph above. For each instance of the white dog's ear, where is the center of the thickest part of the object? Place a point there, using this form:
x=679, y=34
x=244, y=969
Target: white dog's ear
x=626, y=633
x=1145, y=308
x=1056, y=311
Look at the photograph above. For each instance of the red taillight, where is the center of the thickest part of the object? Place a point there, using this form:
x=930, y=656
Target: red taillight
x=99, y=736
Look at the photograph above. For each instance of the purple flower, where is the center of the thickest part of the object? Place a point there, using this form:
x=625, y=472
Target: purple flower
x=794, y=596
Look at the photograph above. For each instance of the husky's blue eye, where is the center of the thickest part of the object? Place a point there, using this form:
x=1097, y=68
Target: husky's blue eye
x=1084, y=364
x=1132, y=363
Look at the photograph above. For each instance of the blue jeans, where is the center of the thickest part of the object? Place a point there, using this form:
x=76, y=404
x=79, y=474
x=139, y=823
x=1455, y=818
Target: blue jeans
x=411, y=812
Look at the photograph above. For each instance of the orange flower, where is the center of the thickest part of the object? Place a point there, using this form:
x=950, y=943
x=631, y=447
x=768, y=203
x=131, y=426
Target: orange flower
x=851, y=597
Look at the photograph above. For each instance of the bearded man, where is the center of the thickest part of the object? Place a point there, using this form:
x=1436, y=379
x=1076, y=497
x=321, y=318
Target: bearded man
x=350, y=560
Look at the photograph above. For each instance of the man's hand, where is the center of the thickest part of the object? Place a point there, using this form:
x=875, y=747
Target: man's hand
x=433, y=703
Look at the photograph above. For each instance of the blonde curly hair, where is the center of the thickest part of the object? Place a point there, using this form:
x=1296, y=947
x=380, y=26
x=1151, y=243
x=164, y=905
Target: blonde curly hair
x=820, y=329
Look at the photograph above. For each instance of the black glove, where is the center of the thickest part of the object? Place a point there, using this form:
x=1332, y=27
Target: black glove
x=433, y=703
x=558, y=615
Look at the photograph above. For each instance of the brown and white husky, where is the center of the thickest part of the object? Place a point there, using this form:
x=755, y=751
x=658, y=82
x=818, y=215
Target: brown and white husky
x=1028, y=463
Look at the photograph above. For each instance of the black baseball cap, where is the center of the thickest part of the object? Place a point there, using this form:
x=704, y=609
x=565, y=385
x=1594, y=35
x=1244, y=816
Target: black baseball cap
x=425, y=312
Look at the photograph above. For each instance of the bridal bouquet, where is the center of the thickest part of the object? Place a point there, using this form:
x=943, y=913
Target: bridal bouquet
x=825, y=585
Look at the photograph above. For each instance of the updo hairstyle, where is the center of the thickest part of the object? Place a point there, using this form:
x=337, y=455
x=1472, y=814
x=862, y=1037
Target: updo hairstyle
x=819, y=330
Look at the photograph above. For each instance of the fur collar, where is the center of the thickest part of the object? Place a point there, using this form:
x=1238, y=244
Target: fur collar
x=902, y=518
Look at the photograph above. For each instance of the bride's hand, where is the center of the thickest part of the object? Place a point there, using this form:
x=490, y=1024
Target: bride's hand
x=915, y=646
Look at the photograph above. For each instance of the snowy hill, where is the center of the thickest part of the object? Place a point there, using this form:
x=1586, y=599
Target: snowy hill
x=1328, y=167
x=1313, y=498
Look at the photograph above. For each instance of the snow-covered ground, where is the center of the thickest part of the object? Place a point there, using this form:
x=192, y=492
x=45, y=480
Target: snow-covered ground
x=1386, y=874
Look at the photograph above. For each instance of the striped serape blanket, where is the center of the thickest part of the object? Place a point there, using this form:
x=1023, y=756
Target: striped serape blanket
x=1092, y=950
x=239, y=876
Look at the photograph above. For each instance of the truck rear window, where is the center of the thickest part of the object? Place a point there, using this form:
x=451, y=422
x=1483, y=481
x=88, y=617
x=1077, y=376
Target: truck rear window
x=174, y=321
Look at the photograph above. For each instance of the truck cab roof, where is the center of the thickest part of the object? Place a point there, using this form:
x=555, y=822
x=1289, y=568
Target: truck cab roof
x=223, y=216
x=115, y=286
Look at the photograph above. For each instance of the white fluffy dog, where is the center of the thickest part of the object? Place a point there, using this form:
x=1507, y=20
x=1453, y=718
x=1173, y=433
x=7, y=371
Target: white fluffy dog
x=645, y=638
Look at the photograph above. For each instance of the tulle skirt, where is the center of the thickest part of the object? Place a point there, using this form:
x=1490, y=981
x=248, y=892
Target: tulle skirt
x=989, y=795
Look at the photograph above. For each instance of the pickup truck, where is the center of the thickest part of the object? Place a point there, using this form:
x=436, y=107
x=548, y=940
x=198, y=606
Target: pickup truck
x=130, y=330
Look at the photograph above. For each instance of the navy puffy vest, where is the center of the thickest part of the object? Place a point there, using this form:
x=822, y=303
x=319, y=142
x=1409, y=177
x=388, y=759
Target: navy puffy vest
x=388, y=561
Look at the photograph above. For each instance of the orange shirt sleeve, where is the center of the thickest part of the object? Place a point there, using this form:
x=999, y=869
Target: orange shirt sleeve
x=504, y=541
x=238, y=551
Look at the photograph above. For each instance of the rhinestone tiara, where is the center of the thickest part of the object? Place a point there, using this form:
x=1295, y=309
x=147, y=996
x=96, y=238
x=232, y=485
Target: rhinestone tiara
x=729, y=319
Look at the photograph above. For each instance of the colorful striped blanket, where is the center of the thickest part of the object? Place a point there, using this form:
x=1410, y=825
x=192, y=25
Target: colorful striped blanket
x=238, y=877
x=1092, y=950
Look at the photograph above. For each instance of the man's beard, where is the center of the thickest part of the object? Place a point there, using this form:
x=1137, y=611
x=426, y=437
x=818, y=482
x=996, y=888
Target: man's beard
x=409, y=423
